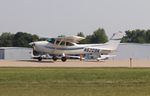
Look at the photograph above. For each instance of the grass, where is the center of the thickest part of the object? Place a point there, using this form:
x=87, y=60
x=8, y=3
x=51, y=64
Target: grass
x=74, y=81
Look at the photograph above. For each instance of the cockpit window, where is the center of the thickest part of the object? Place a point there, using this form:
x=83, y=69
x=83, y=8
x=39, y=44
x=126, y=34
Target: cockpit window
x=69, y=44
x=51, y=40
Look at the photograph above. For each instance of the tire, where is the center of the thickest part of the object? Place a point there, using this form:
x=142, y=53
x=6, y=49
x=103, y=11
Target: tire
x=63, y=59
x=40, y=59
x=35, y=53
x=54, y=58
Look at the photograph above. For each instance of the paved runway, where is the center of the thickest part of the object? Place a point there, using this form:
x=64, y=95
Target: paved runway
x=75, y=63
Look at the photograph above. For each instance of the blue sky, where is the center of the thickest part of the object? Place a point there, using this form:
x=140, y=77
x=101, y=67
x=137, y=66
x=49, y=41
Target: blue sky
x=50, y=18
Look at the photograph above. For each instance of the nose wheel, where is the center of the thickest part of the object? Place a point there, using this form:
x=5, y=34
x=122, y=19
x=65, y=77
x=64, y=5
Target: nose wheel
x=39, y=58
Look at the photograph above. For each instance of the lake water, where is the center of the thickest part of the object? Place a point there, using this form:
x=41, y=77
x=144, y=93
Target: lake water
x=132, y=50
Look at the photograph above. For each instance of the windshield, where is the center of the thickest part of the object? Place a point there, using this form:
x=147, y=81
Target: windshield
x=51, y=40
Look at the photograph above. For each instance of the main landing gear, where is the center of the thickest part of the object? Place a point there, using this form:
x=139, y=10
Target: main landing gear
x=63, y=58
x=54, y=58
x=39, y=58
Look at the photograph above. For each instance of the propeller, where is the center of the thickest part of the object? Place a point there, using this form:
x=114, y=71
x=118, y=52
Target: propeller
x=35, y=53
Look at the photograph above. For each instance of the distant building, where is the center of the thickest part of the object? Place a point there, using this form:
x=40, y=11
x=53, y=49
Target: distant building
x=15, y=53
x=133, y=50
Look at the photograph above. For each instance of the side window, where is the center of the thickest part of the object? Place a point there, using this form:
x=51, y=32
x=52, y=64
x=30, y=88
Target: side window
x=62, y=43
x=69, y=44
x=51, y=40
x=57, y=42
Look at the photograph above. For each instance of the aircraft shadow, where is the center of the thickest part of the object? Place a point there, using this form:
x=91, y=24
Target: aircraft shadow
x=43, y=61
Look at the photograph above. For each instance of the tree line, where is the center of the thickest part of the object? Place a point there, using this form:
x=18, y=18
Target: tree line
x=137, y=36
x=131, y=36
x=98, y=36
x=22, y=39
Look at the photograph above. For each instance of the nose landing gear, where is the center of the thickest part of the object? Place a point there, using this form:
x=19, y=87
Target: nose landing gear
x=39, y=58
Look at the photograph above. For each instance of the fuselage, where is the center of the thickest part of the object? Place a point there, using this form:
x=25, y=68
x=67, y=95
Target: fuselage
x=46, y=47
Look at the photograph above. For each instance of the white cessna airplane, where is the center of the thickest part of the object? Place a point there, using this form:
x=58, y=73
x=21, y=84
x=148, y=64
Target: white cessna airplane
x=64, y=46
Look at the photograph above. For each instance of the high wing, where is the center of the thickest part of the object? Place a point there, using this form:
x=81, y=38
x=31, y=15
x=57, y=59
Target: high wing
x=74, y=39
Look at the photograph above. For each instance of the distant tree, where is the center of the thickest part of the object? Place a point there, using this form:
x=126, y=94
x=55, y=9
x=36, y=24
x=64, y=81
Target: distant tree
x=22, y=39
x=137, y=36
x=140, y=36
x=35, y=38
x=99, y=36
x=127, y=38
x=6, y=39
x=148, y=36
x=88, y=39
x=80, y=34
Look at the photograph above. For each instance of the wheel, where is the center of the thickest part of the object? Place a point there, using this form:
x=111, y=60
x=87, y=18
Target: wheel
x=40, y=59
x=54, y=58
x=63, y=59
x=35, y=53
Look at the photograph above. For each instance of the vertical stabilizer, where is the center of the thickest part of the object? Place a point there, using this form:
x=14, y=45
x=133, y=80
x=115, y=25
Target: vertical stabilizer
x=115, y=40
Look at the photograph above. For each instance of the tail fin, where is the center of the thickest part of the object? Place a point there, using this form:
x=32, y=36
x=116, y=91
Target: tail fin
x=117, y=36
x=115, y=40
